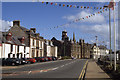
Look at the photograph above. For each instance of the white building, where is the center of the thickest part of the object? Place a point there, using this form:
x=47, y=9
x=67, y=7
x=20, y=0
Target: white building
x=50, y=49
x=96, y=52
x=12, y=47
x=100, y=51
x=36, y=47
x=0, y=50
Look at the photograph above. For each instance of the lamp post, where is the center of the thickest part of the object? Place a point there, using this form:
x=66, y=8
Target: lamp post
x=97, y=45
x=114, y=36
x=109, y=34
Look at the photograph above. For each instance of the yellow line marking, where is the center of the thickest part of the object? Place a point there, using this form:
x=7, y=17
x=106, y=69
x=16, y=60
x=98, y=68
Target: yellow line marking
x=83, y=71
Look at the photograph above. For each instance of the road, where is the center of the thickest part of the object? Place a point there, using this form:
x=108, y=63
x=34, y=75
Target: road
x=70, y=69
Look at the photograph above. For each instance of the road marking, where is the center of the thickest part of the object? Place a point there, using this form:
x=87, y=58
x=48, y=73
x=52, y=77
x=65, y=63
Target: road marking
x=62, y=66
x=41, y=71
x=55, y=68
x=83, y=71
x=29, y=72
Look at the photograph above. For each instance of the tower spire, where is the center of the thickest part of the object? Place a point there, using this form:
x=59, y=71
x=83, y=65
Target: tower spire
x=74, y=38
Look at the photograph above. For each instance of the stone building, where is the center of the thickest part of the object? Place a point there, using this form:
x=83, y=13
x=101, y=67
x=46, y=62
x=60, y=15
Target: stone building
x=72, y=48
x=32, y=39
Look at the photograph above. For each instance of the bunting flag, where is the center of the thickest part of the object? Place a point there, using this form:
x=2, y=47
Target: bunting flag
x=55, y=3
x=112, y=4
x=83, y=18
x=46, y=2
x=59, y=4
x=82, y=7
x=75, y=6
x=51, y=3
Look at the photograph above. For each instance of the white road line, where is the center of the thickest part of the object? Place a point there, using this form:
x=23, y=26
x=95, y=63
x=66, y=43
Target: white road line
x=54, y=68
x=62, y=66
x=41, y=71
x=45, y=71
x=29, y=72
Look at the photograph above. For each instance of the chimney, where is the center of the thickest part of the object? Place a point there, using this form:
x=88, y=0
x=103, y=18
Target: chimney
x=33, y=30
x=16, y=22
x=37, y=34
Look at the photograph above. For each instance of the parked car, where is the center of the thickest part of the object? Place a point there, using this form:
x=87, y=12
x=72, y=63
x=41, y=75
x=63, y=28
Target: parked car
x=45, y=58
x=37, y=59
x=2, y=61
x=49, y=58
x=13, y=61
x=40, y=59
x=31, y=60
x=54, y=58
x=24, y=61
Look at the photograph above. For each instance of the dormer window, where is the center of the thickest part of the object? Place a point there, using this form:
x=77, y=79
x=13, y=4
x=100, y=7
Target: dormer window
x=9, y=35
x=22, y=39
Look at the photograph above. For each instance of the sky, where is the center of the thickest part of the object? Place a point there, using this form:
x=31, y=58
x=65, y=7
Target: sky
x=45, y=17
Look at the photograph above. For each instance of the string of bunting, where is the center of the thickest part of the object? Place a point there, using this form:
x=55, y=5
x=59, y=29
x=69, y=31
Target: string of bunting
x=83, y=18
x=74, y=6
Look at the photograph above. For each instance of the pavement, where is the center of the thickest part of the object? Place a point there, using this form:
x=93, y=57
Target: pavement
x=53, y=70
x=94, y=72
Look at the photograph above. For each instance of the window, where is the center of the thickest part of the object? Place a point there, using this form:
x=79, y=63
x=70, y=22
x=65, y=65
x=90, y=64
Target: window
x=17, y=55
x=33, y=42
x=21, y=55
x=13, y=55
x=11, y=47
x=24, y=49
x=41, y=44
x=18, y=49
x=37, y=43
x=9, y=55
x=24, y=55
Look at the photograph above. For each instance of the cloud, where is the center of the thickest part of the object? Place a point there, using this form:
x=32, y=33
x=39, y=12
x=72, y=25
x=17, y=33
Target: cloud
x=5, y=25
x=98, y=18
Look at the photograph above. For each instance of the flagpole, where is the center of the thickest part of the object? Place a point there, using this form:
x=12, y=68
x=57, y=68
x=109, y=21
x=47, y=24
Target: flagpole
x=114, y=37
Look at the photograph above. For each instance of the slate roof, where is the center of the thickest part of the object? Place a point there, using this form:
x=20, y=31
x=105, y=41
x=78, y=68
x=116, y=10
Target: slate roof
x=102, y=47
x=14, y=40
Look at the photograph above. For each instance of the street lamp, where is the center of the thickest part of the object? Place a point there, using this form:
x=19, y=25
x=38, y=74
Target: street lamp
x=109, y=34
x=114, y=36
x=97, y=45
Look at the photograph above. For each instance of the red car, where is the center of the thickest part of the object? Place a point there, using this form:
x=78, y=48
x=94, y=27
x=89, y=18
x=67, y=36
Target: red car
x=31, y=60
x=49, y=58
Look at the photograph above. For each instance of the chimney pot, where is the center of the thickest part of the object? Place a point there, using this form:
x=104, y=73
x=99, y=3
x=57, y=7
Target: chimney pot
x=16, y=22
x=33, y=30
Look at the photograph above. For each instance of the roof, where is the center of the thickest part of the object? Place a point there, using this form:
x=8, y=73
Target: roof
x=102, y=47
x=14, y=40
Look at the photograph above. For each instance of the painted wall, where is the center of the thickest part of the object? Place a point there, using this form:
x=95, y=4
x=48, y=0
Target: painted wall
x=56, y=48
x=48, y=50
x=27, y=51
x=6, y=48
x=0, y=50
x=21, y=50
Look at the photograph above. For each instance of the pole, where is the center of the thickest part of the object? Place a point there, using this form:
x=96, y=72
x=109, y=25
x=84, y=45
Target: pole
x=96, y=46
x=110, y=37
x=114, y=38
